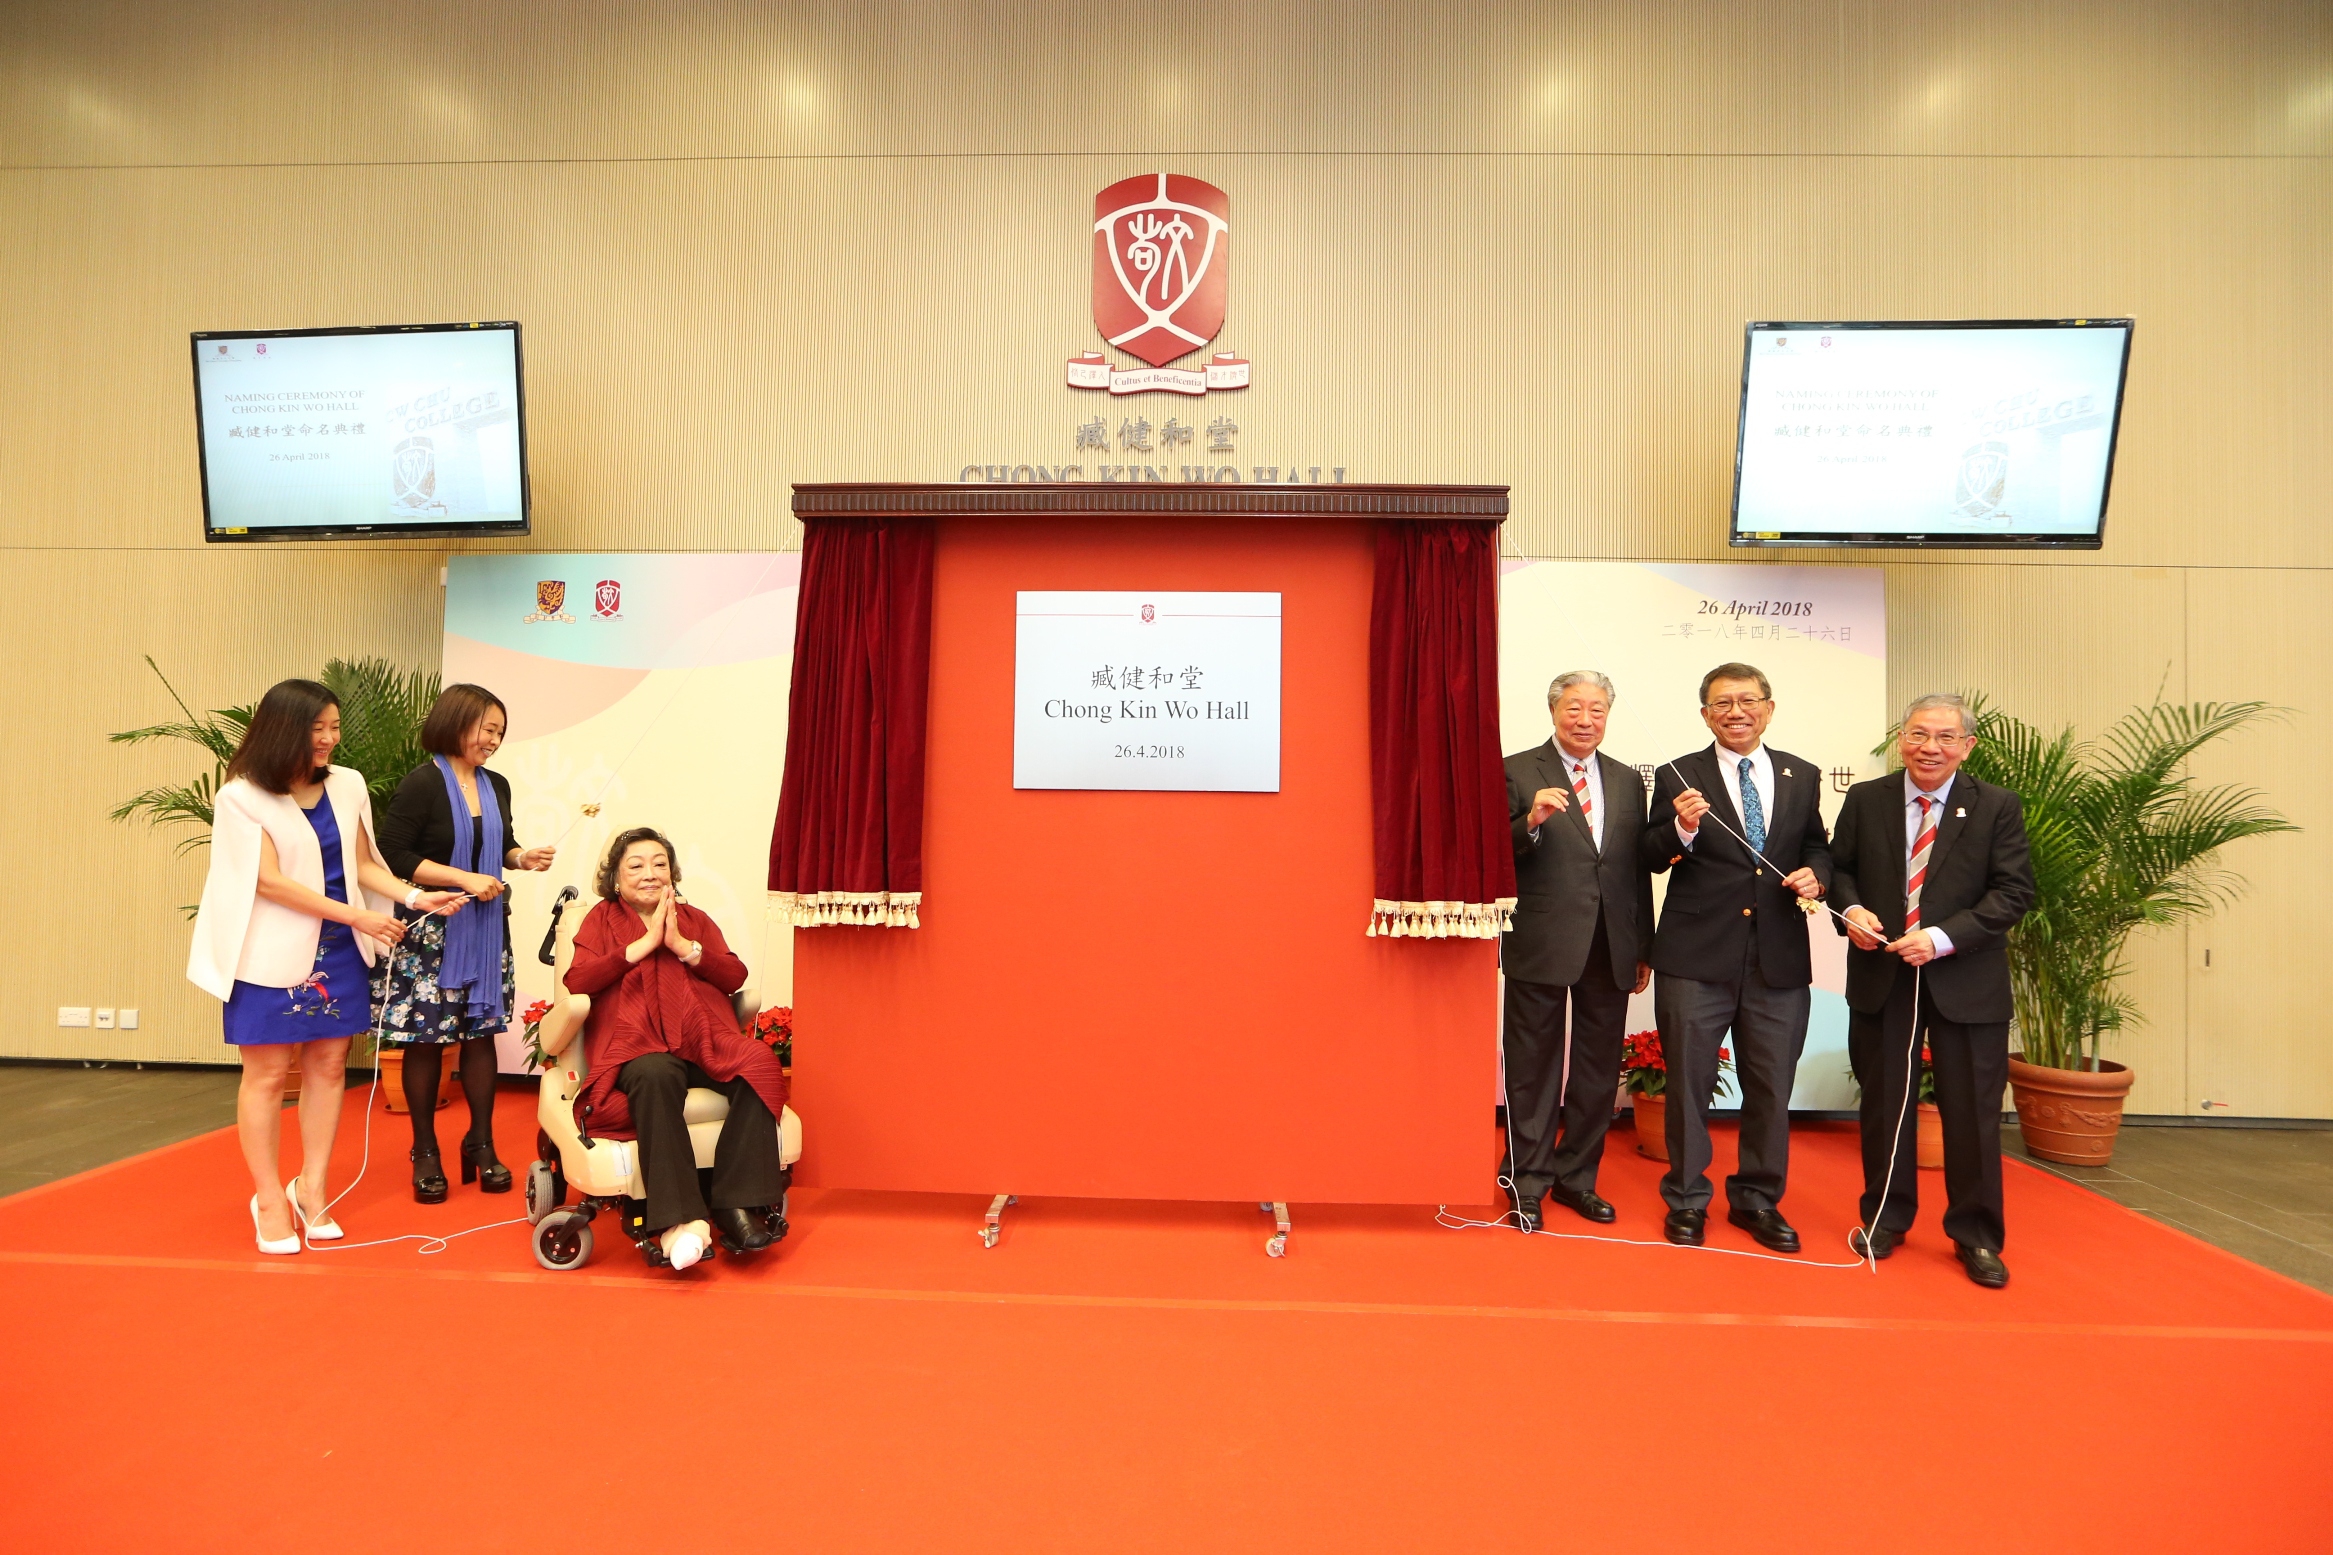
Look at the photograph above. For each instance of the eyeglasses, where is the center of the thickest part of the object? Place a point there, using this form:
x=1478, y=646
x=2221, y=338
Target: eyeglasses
x=1920, y=739
x=1728, y=704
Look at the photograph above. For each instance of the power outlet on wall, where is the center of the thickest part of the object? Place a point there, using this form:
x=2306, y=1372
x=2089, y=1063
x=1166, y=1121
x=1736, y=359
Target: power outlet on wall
x=72, y=1014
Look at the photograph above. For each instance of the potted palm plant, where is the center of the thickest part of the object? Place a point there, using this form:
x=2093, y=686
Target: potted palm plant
x=381, y=713
x=2123, y=838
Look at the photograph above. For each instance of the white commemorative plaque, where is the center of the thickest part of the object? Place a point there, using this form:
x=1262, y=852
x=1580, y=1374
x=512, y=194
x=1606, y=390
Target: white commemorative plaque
x=1147, y=691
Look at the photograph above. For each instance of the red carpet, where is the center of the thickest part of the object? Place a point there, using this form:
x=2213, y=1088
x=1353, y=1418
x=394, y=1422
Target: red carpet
x=1136, y=1377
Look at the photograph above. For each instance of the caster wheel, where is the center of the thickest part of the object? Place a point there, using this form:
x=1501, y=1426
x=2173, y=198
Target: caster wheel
x=563, y=1241
x=988, y=1236
x=545, y=1192
x=1276, y=1247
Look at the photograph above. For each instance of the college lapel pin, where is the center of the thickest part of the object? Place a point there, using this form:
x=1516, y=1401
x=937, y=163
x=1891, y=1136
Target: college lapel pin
x=1959, y=814
x=1786, y=772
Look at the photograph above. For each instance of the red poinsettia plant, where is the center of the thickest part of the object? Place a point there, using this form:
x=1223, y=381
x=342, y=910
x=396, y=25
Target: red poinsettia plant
x=1644, y=1072
x=776, y=1027
x=532, y=1023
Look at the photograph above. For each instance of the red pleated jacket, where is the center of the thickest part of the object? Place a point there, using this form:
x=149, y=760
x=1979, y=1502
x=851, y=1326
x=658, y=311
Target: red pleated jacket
x=660, y=1005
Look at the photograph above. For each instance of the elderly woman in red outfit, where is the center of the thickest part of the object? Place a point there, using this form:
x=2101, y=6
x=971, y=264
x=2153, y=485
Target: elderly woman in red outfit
x=659, y=976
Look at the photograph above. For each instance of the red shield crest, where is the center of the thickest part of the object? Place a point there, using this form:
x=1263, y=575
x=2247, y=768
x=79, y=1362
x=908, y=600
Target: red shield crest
x=608, y=597
x=1161, y=264
x=1149, y=612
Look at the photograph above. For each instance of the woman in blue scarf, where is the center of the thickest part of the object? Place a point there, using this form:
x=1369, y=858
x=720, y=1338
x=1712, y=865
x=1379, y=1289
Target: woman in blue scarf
x=450, y=980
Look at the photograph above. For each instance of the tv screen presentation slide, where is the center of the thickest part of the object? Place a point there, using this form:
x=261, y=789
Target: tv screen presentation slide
x=1928, y=434
x=365, y=431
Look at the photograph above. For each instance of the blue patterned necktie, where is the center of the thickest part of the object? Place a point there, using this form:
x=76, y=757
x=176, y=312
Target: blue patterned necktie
x=1753, y=809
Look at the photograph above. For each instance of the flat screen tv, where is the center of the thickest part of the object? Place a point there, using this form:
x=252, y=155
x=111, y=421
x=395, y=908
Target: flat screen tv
x=403, y=429
x=1994, y=432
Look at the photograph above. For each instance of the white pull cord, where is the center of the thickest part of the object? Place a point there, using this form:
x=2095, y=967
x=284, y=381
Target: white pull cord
x=429, y=1244
x=1443, y=1217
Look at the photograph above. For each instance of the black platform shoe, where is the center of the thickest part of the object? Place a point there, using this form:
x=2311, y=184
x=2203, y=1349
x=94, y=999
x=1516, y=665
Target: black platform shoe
x=480, y=1167
x=429, y=1178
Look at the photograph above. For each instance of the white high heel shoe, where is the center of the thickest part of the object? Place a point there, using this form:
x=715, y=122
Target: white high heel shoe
x=686, y=1244
x=278, y=1245
x=322, y=1229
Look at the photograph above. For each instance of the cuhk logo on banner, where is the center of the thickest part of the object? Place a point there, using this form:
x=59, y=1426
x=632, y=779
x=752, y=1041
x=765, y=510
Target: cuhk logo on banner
x=1162, y=267
x=550, y=602
x=607, y=598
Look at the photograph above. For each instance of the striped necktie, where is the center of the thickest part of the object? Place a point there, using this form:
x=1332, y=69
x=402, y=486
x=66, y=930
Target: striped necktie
x=1917, y=870
x=1580, y=788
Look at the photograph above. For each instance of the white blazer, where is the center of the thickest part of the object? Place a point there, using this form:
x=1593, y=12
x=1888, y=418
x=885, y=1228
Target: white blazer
x=238, y=935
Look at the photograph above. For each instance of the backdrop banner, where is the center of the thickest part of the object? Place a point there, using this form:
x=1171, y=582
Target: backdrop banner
x=644, y=690
x=1819, y=634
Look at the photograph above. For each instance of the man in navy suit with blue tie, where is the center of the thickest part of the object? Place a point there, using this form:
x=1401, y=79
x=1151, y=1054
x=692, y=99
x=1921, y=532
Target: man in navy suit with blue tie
x=1730, y=953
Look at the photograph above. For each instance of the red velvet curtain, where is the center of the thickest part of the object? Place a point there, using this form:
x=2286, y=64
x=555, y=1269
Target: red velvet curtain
x=1445, y=866
x=849, y=842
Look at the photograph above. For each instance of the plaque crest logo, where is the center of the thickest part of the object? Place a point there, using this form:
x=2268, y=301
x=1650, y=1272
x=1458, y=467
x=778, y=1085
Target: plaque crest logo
x=1161, y=262
x=550, y=600
x=1150, y=612
x=1162, y=269
x=607, y=598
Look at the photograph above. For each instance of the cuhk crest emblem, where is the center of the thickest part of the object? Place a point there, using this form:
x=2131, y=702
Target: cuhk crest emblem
x=550, y=598
x=607, y=598
x=1161, y=264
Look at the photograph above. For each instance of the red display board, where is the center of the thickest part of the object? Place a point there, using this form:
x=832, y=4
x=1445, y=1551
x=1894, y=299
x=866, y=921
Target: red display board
x=1148, y=995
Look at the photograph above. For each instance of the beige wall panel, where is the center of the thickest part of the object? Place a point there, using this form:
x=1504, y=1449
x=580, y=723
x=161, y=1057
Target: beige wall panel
x=2258, y=1016
x=103, y=924
x=272, y=81
x=702, y=334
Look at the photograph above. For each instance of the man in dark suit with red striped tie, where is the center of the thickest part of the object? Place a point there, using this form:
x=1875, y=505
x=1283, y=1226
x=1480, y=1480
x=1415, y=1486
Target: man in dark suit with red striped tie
x=1930, y=869
x=1583, y=919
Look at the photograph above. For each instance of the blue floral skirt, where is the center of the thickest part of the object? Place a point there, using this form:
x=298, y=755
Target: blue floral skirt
x=414, y=1010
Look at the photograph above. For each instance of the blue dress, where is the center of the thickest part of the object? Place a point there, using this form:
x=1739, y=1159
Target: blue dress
x=336, y=999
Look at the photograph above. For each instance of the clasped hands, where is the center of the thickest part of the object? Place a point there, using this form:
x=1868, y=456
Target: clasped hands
x=663, y=928
x=1866, y=932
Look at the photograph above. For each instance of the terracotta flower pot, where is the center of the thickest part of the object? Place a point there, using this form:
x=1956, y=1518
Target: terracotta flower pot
x=2069, y=1115
x=392, y=1064
x=1652, y=1126
x=1929, y=1148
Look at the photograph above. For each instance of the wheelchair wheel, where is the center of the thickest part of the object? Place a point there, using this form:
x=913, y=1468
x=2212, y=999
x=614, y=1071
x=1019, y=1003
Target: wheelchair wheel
x=563, y=1241
x=545, y=1191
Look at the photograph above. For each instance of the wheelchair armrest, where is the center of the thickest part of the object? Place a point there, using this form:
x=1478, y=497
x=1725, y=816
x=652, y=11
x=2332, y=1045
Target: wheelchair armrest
x=564, y=1022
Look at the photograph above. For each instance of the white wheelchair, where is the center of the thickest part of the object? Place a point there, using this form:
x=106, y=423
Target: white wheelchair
x=605, y=1173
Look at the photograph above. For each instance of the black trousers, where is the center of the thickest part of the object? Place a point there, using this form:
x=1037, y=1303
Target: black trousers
x=747, y=1170
x=1768, y=1028
x=1972, y=1070
x=1551, y=1082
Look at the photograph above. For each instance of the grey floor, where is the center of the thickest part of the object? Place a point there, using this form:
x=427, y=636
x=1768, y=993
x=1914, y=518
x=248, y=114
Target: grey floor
x=2263, y=1194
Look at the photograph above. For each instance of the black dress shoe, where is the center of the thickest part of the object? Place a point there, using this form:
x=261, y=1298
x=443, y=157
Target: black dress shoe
x=1883, y=1242
x=1686, y=1227
x=1767, y=1225
x=1584, y=1204
x=1528, y=1216
x=742, y=1230
x=1983, y=1264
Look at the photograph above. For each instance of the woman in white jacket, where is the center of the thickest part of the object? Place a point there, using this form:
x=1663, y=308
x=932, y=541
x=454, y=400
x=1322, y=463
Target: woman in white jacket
x=284, y=943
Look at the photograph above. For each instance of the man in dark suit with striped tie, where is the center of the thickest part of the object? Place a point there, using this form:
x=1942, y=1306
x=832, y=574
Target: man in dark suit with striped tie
x=1930, y=869
x=1731, y=951
x=1583, y=917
